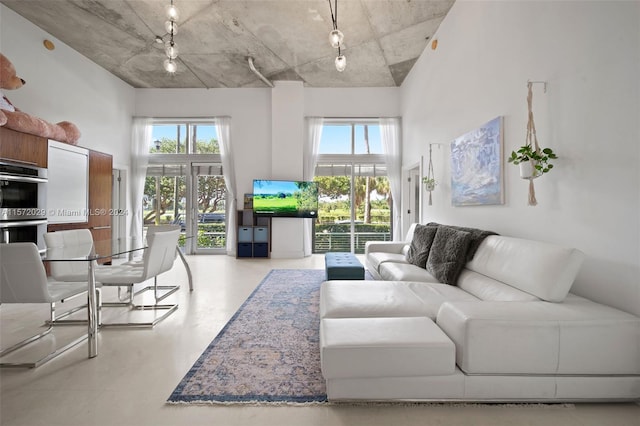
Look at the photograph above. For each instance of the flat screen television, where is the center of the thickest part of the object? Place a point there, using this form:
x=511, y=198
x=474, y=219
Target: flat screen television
x=285, y=198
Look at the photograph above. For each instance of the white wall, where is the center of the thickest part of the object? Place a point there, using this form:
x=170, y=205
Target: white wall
x=589, y=53
x=362, y=102
x=63, y=85
x=287, y=130
x=250, y=112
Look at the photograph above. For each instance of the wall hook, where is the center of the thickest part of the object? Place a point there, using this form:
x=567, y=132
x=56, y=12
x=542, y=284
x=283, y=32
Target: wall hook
x=539, y=82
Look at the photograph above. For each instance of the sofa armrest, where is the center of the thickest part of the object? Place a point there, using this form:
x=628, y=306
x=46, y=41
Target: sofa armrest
x=384, y=246
x=574, y=337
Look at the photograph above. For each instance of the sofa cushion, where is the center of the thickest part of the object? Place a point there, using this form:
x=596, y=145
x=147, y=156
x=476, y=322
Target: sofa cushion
x=366, y=299
x=433, y=295
x=420, y=246
x=448, y=254
x=395, y=271
x=377, y=257
x=488, y=289
x=577, y=336
x=542, y=269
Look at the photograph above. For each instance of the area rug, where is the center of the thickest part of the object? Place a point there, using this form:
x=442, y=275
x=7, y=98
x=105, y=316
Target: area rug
x=268, y=351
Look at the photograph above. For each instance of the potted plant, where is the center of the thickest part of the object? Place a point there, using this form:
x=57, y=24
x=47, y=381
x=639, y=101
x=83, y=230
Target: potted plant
x=429, y=183
x=533, y=163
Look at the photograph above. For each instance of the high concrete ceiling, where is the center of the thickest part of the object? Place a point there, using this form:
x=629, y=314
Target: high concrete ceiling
x=288, y=39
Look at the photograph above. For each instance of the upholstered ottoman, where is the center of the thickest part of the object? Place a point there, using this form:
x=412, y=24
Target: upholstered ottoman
x=384, y=347
x=343, y=266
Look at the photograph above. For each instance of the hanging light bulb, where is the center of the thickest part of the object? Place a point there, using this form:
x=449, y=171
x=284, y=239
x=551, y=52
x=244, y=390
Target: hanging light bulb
x=170, y=66
x=172, y=12
x=171, y=27
x=171, y=49
x=335, y=38
x=341, y=63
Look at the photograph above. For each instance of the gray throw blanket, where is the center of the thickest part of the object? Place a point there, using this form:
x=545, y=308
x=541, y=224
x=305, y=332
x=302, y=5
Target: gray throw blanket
x=452, y=248
x=476, y=238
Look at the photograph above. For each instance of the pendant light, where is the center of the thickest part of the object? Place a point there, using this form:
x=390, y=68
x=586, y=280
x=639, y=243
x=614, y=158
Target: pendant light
x=170, y=46
x=336, y=38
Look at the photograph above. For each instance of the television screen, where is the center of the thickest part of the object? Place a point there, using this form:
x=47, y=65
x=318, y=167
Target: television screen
x=282, y=198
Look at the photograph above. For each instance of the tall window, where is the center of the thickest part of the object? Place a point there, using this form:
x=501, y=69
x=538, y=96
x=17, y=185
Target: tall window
x=355, y=199
x=184, y=183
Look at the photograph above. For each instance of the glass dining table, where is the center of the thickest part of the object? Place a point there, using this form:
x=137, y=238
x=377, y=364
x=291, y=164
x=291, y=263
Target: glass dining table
x=90, y=254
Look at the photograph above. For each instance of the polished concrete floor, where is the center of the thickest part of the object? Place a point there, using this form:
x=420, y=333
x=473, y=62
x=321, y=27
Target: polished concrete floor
x=137, y=369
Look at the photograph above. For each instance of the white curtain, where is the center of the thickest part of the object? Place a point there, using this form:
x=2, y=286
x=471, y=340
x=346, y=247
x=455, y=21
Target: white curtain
x=140, y=141
x=223, y=125
x=390, y=137
x=311, y=149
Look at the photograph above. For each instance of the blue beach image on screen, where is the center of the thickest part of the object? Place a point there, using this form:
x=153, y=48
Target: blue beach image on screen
x=280, y=198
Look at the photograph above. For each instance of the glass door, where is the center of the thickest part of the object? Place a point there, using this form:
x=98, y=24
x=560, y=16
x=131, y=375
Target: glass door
x=209, y=196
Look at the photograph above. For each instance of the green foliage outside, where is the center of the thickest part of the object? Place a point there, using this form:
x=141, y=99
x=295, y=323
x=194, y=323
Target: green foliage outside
x=372, y=213
x=372, y=200
x=333, y=211
x=172, y=190
x=368, y=209
x=170, y=207
x=209, y=236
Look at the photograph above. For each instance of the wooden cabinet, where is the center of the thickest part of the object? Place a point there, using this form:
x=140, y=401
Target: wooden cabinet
x=31, y=149
x=100, y=188
x=23, y=147
x=100, y=180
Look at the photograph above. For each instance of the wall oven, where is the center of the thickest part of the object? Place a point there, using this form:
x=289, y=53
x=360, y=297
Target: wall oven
x=23, y=203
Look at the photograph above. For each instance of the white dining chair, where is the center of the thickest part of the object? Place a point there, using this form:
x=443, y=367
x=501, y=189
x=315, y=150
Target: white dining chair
x=158, y=257
x=167, y=264
x=150, y=229
x=162, y=228
x=74, y=243
x=23, y=279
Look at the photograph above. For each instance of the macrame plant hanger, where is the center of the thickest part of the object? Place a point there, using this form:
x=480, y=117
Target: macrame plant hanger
x=430, y=172
x=531, y=140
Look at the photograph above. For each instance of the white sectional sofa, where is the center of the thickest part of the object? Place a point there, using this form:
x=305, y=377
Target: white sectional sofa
x=509, y=330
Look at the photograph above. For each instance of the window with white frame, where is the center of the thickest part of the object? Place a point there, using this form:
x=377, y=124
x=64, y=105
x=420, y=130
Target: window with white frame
x=354, y=194
x=184, y=183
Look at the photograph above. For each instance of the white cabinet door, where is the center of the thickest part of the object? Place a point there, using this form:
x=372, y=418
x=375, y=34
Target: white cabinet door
x=67, y=189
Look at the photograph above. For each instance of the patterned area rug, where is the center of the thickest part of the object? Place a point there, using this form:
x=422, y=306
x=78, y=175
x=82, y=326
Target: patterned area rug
x=268, y=351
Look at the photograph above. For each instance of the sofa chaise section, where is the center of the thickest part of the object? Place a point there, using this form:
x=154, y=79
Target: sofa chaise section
x=518, y=332
x=576, y=337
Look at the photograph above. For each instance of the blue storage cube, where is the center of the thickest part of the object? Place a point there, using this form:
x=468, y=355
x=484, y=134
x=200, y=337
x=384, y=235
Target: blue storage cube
x=245, y=234
x=260, y=235
x=260, y=250
x=245, y=250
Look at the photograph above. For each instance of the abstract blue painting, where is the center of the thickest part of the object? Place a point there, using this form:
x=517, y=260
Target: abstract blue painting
x=476, y=166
